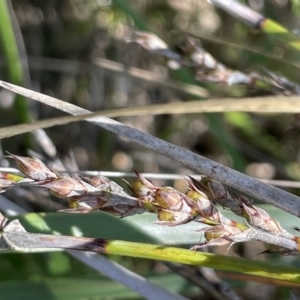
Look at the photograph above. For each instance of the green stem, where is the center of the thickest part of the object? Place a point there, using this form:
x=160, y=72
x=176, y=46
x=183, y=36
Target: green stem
x=13, y=239
x=225, y=263
x=281, y=33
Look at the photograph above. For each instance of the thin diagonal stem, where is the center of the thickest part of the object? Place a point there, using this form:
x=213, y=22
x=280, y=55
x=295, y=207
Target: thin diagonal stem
x=240, y=181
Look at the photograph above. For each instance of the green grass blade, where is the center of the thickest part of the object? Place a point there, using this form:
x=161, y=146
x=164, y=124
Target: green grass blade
x=14, y=64
x=28, y=242
x=9, y=45
x=12, y=56
x=281, y=33
x=139, y=228
x=219, y=262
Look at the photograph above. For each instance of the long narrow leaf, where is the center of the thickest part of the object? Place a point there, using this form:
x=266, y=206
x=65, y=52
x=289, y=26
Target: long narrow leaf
x=26, y=242
x=259, y=22
x=278, y=104
x=244, y=183
x=12, y=55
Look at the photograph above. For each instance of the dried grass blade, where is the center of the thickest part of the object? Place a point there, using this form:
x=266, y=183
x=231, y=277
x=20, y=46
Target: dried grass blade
x=244, y=183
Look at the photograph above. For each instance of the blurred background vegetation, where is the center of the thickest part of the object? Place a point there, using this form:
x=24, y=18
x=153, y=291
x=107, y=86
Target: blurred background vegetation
x=78, y=51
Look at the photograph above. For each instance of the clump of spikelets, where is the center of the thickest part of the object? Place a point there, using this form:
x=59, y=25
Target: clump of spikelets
x=173, y=208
